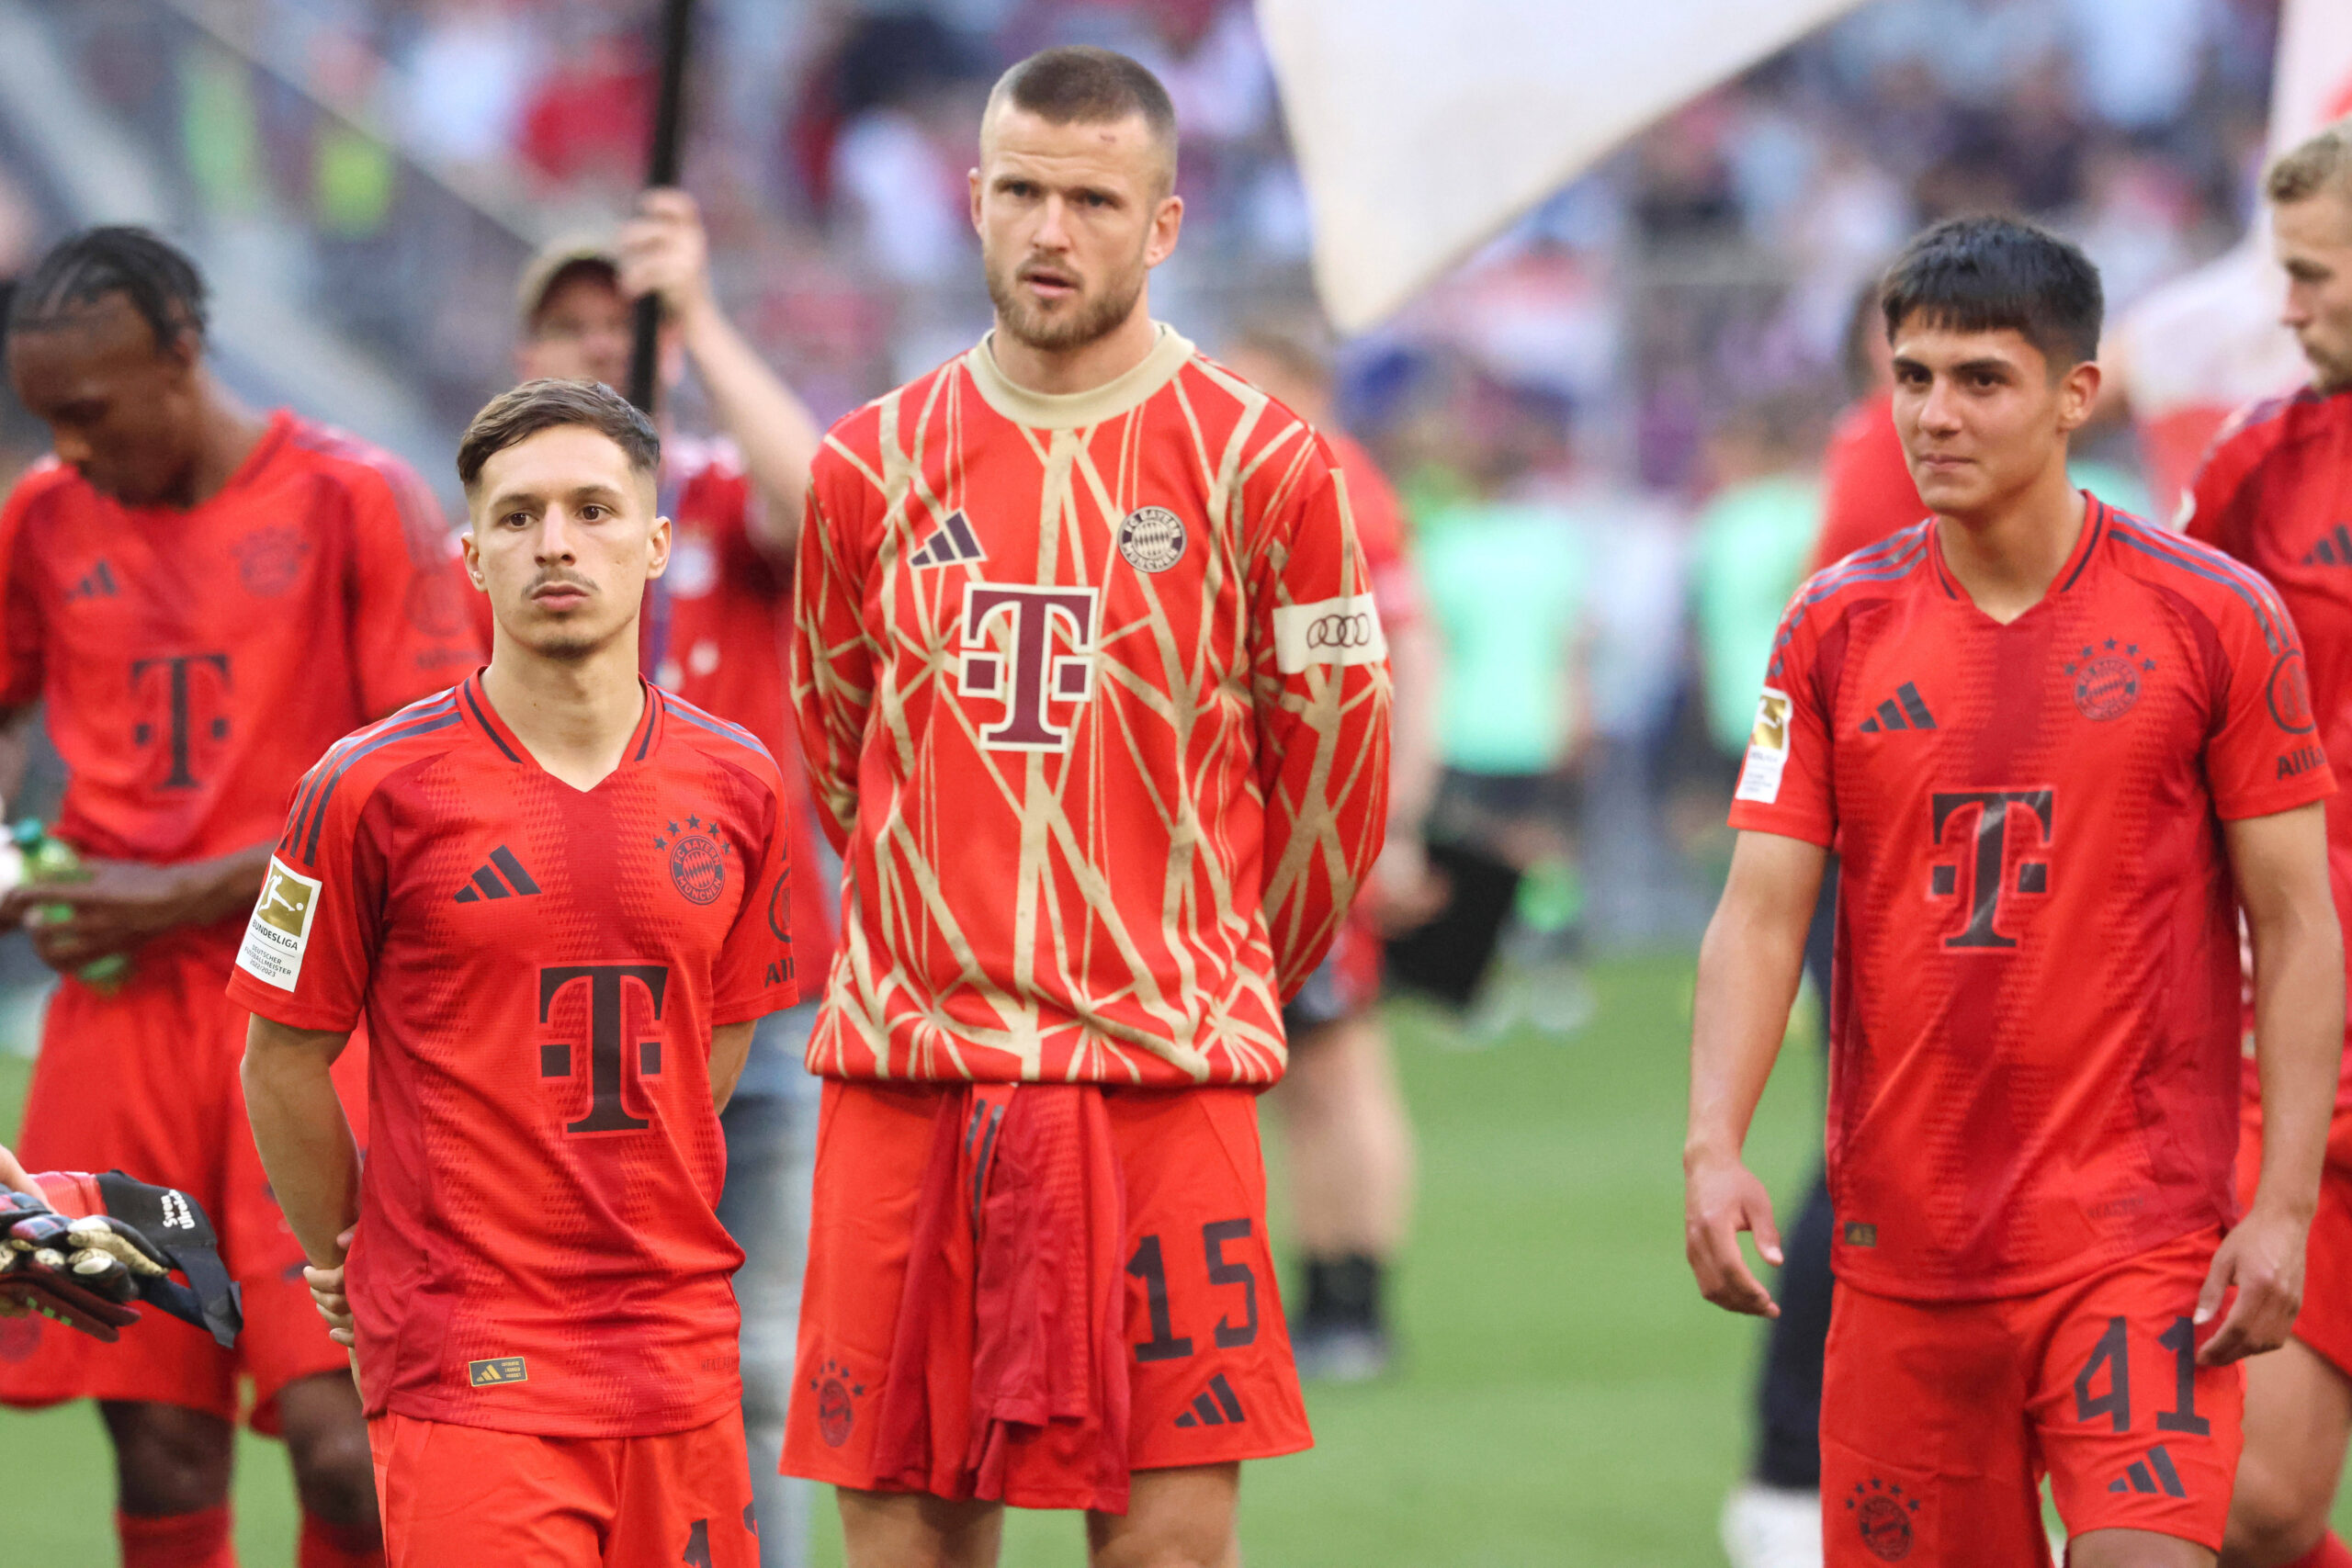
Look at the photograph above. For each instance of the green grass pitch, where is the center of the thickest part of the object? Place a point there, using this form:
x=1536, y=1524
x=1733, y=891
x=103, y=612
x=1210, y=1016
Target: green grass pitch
x=1566, y=1399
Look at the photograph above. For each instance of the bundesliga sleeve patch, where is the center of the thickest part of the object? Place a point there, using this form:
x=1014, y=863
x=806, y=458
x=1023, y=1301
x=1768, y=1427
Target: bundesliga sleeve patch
x=1341, y=631
x=1768, y=750
x=280, y=928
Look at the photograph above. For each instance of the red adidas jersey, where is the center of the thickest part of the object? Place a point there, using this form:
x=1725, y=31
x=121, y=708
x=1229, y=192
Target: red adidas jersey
x=540, y=968
x=2034, y=1058
x=717, y=629
x=1095, y=698
x=1380, y=529
x=1867, y=489
x=2276, y=492
x=195, y=663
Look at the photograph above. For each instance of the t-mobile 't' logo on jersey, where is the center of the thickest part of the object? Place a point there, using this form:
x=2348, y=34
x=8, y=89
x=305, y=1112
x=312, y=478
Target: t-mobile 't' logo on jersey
x=610, y=1056
x=1038, y=677
x=1983, y=869
x=182, y=695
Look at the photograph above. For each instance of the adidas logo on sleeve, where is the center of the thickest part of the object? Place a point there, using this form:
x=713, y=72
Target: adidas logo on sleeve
x=954, y=545
x=1905, y=710
x=488, y=882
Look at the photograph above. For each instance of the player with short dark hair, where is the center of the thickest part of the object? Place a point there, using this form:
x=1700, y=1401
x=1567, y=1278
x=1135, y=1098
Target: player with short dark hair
x=204, y=598
x=2275, y=492
x=1093, y=689
x=2057, y=749
x=714, y=632
x=557, y=896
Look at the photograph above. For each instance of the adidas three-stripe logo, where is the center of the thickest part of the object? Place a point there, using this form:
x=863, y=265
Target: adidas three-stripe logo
x=2335, y=549
x=951, y=545
x=1219, y=1405
x=1903, y=711
x=486, y=883
x=2137, y=1478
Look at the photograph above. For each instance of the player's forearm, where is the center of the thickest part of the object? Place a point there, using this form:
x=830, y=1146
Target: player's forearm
x=2299, y=1043
x=15, y=750
x=1748, y=972
x=1749, y=966
x=302, y=1133
x=774, y=429
x=219, y=888
x=730, y=1048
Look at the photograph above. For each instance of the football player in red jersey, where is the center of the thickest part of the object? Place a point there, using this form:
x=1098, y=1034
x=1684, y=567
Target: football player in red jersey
x=2056, y=751
x=559, y=897
x=714, y=632
x=204, y=597
x=2275, y=492
x=1093, y=688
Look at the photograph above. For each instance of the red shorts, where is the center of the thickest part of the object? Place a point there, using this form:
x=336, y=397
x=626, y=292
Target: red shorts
x=1939, y=1419
x=453, y=1497
x=1209, y=1368
x=146, y=1081
x=2326, y=1321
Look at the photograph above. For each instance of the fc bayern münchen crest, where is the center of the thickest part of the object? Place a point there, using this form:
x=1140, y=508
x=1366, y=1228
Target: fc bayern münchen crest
x=1883, y=1514
x=1151, y=539
x=2107, y=678
x=698, y=859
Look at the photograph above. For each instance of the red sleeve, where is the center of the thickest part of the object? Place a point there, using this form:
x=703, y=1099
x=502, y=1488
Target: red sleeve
x=2212, y=513
x=1319, y=681
x=2262, y=754
x=1784, y=781
x=1866, y=483
x=754, y=975
x=309, y=944
x=20, y=617
x=832, y=663
x=414, y=620
x=1380, y=529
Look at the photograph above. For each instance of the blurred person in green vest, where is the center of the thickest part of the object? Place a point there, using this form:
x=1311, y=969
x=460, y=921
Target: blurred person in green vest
x=1506, y=569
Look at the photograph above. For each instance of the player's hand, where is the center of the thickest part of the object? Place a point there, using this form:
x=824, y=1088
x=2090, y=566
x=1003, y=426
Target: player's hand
x=2261, y=1260
x=1407, y=892
x=1721, y=1197
x=664, y=253
x=13, y=1176
x=327, y=1295
x=117, y=906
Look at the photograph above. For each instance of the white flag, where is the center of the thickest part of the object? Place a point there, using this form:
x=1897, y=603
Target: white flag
x=1424, y=129
x=2202, y=345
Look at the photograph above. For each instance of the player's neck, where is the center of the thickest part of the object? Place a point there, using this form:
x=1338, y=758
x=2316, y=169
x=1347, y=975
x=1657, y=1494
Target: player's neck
x=574, y=716
x=2005, y=559
x=230, y=432
x=1058, y=372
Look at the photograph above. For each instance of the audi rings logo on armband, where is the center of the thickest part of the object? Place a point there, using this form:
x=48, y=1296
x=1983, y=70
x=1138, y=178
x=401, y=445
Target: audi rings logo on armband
x=1357, y=631
x=1345, y=630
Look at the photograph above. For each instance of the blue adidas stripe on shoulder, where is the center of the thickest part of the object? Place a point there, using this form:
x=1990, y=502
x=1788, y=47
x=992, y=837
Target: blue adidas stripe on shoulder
x=717, y=725
x=425, y=722
x=1896, y=556
x=2202, y=560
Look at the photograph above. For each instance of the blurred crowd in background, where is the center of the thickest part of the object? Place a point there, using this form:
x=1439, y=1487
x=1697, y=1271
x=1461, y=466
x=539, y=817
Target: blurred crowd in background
x=1607, y=426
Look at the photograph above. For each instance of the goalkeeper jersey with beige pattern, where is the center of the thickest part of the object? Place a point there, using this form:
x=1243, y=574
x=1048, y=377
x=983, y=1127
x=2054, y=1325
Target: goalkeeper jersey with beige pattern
x=1095, y=701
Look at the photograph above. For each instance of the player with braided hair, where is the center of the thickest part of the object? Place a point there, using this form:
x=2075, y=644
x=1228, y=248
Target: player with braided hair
x=201, y=597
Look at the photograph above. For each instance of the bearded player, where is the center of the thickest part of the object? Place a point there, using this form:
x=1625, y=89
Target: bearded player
x=2276, y=492
x=558, y=897
x=204, y=597
x=2056, y=749
x=714, y=631
x=1093, y=691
